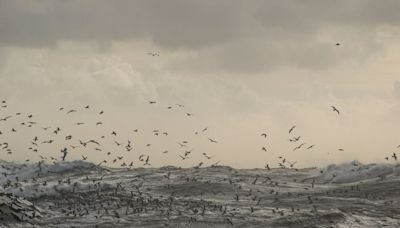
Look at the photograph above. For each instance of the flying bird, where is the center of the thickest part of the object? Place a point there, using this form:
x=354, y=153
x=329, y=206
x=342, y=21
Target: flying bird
x=298, y=147
x=310, y=147
x=65, y=152
x=335, y=109
x=71, y=111
x=291, y=129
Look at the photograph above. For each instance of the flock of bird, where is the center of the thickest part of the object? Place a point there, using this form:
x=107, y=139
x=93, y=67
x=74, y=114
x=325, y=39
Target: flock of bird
x=78, y=144
x=145, y=159
x=136, y=198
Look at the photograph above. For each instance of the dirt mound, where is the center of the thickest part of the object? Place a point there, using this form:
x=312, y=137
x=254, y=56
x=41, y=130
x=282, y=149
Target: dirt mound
x=15, y=209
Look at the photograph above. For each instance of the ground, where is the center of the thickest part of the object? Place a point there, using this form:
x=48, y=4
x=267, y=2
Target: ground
x=79, y=194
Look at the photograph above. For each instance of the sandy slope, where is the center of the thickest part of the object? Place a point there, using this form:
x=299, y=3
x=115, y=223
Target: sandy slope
x=83, y=195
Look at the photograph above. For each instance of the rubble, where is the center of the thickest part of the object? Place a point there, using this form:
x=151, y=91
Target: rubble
x=13, y=208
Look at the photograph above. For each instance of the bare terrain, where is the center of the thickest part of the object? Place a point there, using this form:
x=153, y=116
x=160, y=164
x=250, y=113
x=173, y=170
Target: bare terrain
x=80, y=194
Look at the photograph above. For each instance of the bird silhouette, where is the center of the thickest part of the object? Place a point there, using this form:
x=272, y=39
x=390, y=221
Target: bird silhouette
x=335, y=109
x=298, y=147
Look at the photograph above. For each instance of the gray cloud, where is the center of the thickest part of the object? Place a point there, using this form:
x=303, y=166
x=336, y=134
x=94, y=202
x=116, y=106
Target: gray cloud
x=248, y=65
x=182, y=23
x=236, y=36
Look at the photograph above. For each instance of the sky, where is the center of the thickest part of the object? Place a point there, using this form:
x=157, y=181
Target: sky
x=241, y=68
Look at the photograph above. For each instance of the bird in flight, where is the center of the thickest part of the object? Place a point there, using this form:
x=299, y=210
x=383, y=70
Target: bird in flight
x=212, y=140
x=335, y=109
x=298, y=147
x=264, y=135
x=71, y=111
x=295, y=139
x=291, y=129
x=292, y=164
x=65, y=152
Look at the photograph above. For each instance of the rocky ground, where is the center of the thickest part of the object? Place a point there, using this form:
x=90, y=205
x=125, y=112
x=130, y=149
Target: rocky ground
x=79, y=194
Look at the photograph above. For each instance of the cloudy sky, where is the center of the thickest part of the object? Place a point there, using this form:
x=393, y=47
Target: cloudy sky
x=241, y=67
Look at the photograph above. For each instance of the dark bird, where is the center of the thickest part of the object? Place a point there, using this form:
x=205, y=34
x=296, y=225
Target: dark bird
x=212, y=140
x=264, y=135
x=295, y=139
x=298, y=147
x=292, y=164
x=335, y=109
x=264, y=149
x=93, y=141
x=291, y=129
x=147, y=161
x=152, y=102
x=310, y=147
x=65, y=152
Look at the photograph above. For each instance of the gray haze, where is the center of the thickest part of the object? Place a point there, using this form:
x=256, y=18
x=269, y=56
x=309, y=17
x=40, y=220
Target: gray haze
x=242, y=67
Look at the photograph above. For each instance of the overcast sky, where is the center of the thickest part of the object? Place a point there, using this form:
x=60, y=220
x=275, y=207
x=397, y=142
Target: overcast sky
x=241, y=67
